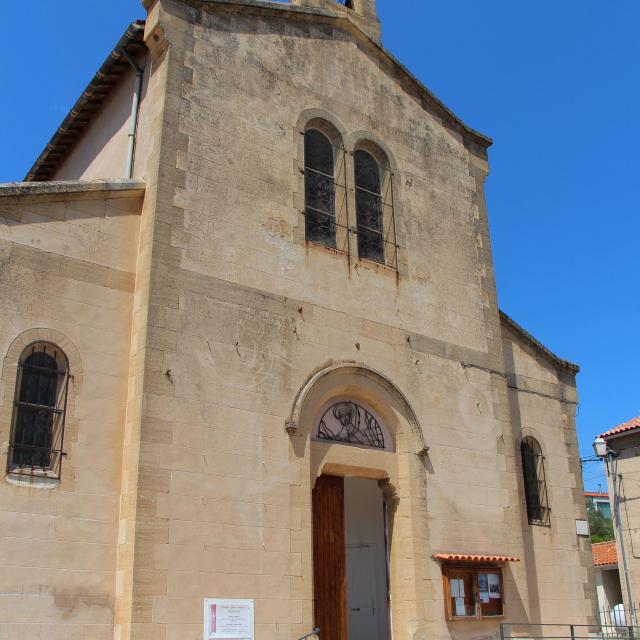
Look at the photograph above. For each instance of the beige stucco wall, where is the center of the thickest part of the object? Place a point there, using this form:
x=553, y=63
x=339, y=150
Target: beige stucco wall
x=101, y=152
x=627, y=466
x=67, y=264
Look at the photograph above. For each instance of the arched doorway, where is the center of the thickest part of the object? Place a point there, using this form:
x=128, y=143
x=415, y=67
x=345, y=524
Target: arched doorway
x=359, y=447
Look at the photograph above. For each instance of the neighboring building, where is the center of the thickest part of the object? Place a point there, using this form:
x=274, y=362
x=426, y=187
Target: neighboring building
x=624, y=441
x=271, y=365
x=599, y=501
x=608, y=589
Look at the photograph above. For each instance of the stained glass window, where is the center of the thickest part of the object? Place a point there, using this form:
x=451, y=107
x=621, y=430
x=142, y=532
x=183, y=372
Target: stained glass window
x=369, y=216
x=320, y=188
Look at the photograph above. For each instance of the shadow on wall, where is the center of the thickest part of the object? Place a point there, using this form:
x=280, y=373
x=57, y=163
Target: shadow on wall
x=533, y=592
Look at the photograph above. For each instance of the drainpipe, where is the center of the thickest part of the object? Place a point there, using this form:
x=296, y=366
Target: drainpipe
x=135, y=108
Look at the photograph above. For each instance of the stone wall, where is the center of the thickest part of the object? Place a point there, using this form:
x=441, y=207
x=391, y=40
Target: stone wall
x=558, y=564
x=67, y=263
x=242, y=312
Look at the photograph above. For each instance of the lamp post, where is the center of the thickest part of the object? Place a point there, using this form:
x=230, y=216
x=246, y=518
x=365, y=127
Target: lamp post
x=603, y=452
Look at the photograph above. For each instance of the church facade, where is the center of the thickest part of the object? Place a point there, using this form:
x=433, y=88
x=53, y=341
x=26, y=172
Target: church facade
x=252, y=350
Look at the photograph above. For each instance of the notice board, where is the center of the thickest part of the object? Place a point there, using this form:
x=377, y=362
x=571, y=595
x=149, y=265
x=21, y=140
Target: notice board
x=228, y=619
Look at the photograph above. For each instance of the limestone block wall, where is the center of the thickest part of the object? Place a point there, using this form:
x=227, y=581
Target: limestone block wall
x=560, y=583
x=242, y=312
x=67, y=269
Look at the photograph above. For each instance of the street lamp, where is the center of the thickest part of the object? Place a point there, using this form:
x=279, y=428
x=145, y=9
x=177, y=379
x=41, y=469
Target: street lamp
x=600, y=447
x=603, y=452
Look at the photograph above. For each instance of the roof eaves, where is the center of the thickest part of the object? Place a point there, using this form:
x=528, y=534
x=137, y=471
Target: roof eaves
x=622, y=429
x=87, y=105
x=537, y=345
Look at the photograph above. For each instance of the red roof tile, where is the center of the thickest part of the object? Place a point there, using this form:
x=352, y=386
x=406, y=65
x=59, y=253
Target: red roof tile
x=622, y=428
x=467, y=557
x=604, y=553
x=596, y=494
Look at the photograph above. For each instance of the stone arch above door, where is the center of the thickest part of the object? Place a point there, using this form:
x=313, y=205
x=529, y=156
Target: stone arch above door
x=348, y=381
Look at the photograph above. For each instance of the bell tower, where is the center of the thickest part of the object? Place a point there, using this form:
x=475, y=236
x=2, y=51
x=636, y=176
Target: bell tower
x=363, y=13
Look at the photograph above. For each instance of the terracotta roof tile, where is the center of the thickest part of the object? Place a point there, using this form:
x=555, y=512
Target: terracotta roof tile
x=622, y=428
x=596, y=494
x=467, y=557
x=604, y=553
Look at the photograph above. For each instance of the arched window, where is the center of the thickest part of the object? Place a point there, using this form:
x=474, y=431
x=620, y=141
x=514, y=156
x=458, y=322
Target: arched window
x=535, y=486
x=319, y=188
x=369, y=207
x=349, y=422
x=374, y=206
x=39, y=410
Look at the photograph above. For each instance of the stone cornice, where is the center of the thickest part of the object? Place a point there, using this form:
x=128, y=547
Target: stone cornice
x=71, y=190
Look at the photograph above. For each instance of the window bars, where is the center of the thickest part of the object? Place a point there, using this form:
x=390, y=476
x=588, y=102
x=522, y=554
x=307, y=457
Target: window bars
x=535, y=485
x=350, y=423
x=327, y=220
x=375, y=213
x=40, y=404
x=345, y=3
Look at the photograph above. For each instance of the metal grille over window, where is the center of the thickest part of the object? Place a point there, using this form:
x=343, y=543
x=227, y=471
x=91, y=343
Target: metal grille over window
x=345, y=3
x=535, y=486
x=350, y=423
x=374, y=210
x=325, y=192
x=37, y=437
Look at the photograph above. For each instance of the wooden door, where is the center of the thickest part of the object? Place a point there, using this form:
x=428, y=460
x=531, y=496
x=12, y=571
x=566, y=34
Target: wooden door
x=329, y=558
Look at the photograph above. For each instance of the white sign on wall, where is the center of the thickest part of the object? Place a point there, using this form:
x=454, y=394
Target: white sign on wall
x=228, y=619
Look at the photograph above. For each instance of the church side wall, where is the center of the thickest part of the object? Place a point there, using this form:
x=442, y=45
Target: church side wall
x=558, y=563
x=67, y=266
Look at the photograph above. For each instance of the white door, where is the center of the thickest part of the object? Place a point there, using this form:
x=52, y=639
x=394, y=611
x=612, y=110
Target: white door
x=363, y=610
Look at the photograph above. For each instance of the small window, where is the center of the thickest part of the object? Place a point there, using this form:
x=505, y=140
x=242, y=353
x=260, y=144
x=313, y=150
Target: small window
x=319, y=188
x=535, y=486
x=37, y=433
x=346, y=3
x=473, y=593
x=375, y=218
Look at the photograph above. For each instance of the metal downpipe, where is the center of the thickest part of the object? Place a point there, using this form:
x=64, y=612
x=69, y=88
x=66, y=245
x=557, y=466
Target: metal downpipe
x=135, y=109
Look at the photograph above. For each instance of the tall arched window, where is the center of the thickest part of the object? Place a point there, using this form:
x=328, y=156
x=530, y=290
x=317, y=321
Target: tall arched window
x=375, y=218
x=37, y=433
x=535, y=486
x=369, y=214
x=319, y=188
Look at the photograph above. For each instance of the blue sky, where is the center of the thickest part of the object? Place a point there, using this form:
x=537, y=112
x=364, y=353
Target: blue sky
x=556, y=86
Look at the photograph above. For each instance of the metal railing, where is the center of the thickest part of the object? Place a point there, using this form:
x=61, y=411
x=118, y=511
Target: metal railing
x=619, y=617
x=315, y=634
x=526, y=631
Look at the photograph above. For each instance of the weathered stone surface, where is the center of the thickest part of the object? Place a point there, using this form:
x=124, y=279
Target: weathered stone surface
x=203, y=323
